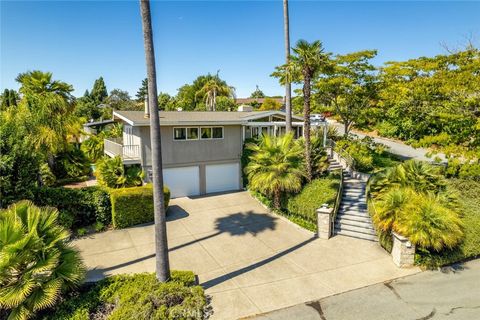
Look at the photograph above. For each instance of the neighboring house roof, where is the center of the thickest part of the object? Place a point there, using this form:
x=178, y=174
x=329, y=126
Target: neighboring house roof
x=98, y=123
x=137, y=118
x=257, y=100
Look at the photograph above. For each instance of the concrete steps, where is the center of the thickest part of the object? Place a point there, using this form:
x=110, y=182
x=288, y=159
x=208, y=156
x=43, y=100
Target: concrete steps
x=353, y=219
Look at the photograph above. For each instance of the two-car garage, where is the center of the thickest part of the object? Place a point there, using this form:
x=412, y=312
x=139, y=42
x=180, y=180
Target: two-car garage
x=202, y=179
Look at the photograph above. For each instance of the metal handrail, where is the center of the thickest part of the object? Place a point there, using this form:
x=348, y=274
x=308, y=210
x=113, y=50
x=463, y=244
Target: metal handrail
x=338, y=199
x=349, y=160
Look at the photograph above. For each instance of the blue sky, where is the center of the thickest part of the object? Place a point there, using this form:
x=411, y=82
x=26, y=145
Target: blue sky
x=80, y=41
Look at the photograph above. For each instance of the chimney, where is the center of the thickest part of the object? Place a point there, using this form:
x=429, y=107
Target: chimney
x=244, y=108
x=147, y=110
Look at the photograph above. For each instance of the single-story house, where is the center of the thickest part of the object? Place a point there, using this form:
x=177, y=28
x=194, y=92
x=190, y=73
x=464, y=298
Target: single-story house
x=201, y=151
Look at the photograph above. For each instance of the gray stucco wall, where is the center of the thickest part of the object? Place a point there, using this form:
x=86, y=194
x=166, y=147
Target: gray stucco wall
x=175, y=153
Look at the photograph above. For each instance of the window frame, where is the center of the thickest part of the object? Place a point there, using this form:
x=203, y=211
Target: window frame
x=186, y=133
x=211, y=128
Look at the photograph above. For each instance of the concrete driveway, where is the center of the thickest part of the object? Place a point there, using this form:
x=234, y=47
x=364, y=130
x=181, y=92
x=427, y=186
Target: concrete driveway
x=248, y=260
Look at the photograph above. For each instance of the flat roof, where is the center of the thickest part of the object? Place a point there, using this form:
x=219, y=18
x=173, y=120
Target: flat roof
x=137, y=118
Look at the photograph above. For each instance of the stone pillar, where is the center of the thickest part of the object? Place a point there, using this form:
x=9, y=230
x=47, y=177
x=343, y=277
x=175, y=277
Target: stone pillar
x=324, y=222
x=403, y=251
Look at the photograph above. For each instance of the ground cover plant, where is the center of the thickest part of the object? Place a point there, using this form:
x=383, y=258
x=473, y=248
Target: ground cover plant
x=139, y=296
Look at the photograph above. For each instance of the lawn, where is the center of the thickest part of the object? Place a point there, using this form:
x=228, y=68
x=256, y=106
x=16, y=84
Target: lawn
x=468, y=195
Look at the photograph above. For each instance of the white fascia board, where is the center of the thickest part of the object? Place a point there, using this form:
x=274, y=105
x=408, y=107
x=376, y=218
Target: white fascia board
x=118, y=116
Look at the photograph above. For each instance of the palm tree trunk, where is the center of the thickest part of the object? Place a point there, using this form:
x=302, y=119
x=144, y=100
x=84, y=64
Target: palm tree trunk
x=276, y=199
x=306, y=123
x=288, y=89
x=161, y=245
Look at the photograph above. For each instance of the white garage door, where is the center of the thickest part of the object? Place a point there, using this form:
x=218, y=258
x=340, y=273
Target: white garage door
x=222, y=177
x=184, y=181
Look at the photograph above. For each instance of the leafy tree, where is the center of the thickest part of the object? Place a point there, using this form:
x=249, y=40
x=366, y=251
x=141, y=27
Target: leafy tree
x=120, y=100
x=166, y=102
x=276, y=166
x=225, y=104
x=270, y=104
x=432, y=100
x=349, y=85
x=257, y=94
x=212, y=89
x=9, y=99
x=142, y=91
x=307, y=61
x=99, y=92
x=190, y=98
x=38, y=264
x=86, y=108
x=51, y=107
x=19, y=165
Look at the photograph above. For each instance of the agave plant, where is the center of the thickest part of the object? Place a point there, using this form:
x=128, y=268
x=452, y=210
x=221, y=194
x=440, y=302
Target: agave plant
x=37, y=264
x=276, y=166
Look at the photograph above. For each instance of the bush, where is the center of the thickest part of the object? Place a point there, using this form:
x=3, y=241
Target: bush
x=413, y=200
x=313, y=195
x=78, y=207
x=112, y=173
x=37, y=263
x=138, y=296
x=72, y=163
x=470, y=247
x=131, y=206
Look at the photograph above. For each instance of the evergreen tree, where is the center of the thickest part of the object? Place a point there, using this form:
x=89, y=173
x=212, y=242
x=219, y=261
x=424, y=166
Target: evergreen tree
x=143, y=91
x=257, y=93
x=99, y=92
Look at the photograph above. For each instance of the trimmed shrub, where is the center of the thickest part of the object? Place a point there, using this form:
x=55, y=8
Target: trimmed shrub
x=131, y=206
x=78, y=207
x=313, y=195
x=138, y=296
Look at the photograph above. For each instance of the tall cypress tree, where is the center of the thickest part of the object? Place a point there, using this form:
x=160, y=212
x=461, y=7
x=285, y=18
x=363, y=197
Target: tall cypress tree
x=142, y=91
x=99, y=92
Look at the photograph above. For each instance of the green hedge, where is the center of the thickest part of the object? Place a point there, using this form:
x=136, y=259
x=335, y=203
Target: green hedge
x=313, y=195
x=301, y=208
x=78, y=207
x=138, y=296
x=131, y=206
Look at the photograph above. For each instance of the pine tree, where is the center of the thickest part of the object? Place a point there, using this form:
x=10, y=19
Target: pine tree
x=99, y=92
x=142, y=91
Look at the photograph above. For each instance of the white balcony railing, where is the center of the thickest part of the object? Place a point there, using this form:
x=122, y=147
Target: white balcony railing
x=115, y=147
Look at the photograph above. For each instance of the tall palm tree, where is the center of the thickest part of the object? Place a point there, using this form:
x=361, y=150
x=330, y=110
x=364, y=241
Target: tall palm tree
x=288, y=89
x=161, y=245
x=50, y=104
x=276, y=166
x=37, y=264
x=211, y=90
x=308, y=59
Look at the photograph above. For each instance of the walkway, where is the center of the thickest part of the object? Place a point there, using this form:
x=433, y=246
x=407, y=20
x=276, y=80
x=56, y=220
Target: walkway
x=248, y=260
x=395, y=147
x=452, y=293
